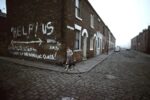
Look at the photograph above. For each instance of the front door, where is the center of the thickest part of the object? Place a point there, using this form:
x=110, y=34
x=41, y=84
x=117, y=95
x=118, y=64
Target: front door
x=84, y=47
x=95, y=46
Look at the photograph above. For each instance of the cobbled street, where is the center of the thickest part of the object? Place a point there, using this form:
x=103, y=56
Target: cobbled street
x=123, y=75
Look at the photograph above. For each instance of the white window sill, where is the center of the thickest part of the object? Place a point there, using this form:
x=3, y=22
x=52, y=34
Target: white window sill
x=76, y=50
x=78, y=18
x=92, y=27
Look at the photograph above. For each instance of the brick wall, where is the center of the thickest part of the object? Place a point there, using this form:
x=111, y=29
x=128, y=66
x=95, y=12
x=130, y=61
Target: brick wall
x=99, y=26
x=142, y=41
x=43, y=29
x=36, y=29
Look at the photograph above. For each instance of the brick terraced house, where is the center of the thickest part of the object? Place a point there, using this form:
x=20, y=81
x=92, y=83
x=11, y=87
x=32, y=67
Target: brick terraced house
x=142, y=41
x=43, y=29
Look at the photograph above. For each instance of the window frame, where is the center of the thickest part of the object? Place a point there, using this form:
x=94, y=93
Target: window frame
x=92, y=43
x=78, y=9
x=77, y=40
x=77, y=29
x=92, y=21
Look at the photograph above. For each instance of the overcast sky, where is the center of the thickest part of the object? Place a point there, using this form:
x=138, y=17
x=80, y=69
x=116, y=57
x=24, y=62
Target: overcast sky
x=125, y=18
x=3, y=5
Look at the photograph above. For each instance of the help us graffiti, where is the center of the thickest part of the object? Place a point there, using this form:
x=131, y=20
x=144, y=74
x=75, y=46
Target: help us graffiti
x=24, y=30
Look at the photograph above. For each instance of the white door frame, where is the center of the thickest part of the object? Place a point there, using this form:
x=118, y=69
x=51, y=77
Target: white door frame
x=99, y=37
x=84, y=49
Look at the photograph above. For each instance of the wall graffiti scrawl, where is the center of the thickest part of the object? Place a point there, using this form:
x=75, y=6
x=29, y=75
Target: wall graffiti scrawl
x=29, y=41
x=31, y=29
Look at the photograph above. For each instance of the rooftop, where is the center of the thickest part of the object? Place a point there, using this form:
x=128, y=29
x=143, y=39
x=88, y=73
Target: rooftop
x=2, y=14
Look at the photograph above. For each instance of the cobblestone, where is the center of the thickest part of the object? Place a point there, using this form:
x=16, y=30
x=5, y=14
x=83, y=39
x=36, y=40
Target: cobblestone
x=123, y=76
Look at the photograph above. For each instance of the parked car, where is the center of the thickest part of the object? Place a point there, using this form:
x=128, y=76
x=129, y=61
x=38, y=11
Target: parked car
x=117, y=49
x=128, y=49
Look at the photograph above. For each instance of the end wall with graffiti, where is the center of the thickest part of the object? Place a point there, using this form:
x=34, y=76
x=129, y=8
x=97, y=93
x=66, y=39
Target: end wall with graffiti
x=36, y=30
x=45, y=30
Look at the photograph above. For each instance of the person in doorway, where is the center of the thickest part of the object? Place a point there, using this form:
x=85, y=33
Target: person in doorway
x=69, y=59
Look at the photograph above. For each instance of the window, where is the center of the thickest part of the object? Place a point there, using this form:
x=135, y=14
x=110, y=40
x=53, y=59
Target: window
x=77, y=40
x=91, y=43
x=99, y=20
x=98, y=44
x=78, y=9
x=92, y=21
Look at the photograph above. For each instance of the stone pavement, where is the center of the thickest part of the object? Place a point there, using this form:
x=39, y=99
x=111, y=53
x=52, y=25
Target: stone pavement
x=80, y=67
x=122, y=76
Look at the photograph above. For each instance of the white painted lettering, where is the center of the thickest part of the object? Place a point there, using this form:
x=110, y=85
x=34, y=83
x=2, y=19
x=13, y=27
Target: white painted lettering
x=30, y=28
x=44, y=29
x=23, y=31
x=50, y=28
x=44, y=56
x=18, y=31
x=51, y=41
x=39, y=56
x=36, y=27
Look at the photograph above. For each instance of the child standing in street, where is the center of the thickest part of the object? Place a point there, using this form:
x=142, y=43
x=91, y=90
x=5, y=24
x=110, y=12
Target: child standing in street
x=69, y=58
